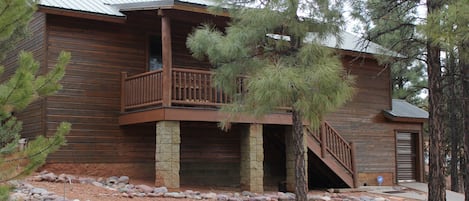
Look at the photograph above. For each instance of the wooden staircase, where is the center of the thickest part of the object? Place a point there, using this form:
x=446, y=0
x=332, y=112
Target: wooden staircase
x=334, y=151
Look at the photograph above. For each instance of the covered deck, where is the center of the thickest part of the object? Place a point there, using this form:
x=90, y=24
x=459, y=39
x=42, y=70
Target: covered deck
x=188, y=95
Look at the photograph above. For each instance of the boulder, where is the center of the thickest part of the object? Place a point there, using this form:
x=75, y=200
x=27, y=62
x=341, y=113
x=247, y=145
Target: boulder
x=210, y=196
x=160, y=190
x=123, y=179
x=144, y=188
x=39, y=191
x=97, y=184
x=112, y=180
x=222, y=197
x=50, y=177
x=174, y=195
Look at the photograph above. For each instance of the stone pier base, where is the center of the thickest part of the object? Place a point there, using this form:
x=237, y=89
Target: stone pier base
x=167, y=156
x=252, y=159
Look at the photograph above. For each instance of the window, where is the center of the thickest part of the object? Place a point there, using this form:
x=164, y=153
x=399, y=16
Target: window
x=155, y=60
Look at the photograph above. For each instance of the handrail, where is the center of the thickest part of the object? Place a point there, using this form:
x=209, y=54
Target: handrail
x=338, y=147
x=143, y=74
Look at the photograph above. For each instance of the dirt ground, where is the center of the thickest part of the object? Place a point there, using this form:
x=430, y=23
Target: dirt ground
x=84, y=192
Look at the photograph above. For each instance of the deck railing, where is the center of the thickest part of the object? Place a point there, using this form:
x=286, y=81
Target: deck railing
x=142, y=90
x=189, y=87
x=194, y=87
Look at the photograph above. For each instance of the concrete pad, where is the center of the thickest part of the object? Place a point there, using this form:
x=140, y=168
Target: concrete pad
x=450, y=195
x=397, y=192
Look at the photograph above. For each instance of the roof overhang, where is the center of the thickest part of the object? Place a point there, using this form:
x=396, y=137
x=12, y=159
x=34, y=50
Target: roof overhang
x=402, y=111
x=81, y=14
x=149, y=5
x=395, y=118
x=110, y=12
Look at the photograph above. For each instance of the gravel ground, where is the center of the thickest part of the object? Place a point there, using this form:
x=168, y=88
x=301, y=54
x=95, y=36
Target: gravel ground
x=84, y=192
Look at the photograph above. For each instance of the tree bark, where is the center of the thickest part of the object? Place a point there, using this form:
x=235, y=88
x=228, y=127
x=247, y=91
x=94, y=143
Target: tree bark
x=436, y=179
x=301, y=185
x=453, y=122
x=465, y=89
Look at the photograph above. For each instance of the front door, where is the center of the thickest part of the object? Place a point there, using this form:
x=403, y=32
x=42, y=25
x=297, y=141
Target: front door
x=406, y=156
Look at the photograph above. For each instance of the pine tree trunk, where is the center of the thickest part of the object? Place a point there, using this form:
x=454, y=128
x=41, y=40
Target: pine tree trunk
x=436, y=179
x=465, y=89
x=453, y=124
x=301, y=185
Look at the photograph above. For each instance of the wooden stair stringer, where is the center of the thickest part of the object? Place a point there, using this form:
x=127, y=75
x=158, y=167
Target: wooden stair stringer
x=330, y=162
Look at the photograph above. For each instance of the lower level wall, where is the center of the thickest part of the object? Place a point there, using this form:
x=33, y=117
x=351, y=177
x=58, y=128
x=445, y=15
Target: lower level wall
x=371, y=178
x=210, y=156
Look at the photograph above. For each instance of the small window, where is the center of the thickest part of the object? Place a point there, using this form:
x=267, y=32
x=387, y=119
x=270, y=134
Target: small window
x=155, y=60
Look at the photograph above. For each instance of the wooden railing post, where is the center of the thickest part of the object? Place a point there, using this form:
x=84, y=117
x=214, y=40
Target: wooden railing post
x=323, y=140
x=123, y=78
x=354, y=165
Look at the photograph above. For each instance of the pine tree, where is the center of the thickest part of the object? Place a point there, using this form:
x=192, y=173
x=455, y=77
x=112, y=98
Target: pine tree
x=430, y=53
x=20, y=90
x=447, y=27
x=266, y=43
x=393, y=24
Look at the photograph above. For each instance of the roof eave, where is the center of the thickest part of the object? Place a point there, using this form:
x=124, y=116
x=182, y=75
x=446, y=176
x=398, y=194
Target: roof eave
x=81, y=14
x=395, y=118
x=149, y=5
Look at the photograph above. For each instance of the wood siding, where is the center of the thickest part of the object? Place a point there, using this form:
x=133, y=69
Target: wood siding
x=210, y=156
x=33, y=116
x=362, y=121
x=90, y=98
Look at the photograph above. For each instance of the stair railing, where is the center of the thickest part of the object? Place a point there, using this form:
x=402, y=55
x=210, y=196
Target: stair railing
x=333, y=143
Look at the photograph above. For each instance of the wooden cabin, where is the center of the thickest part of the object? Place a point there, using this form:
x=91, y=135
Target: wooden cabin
x=141, y=106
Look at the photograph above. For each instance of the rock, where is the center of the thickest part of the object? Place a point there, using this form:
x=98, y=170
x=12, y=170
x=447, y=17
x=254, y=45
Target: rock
x=160, y=190
x=222, y=197
x=66, y=178
x=154, y=194
x=140, y=194
x=86, y=180
x=247, y=194
x=123, y=189
x=286, y=196
x=18, y=196
x=110, y=188
x=380, y=199
x=144, y=188
x=112, y=180
x=210, y=196
x=366, y=198
x=39, y=191
x=319, y=198
x=97, y=184
x=50, y=177
x=235, y=199
x=261, y=198
x=123, y=179
x=174, y=195
x=126, y=195
x=101, y=180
